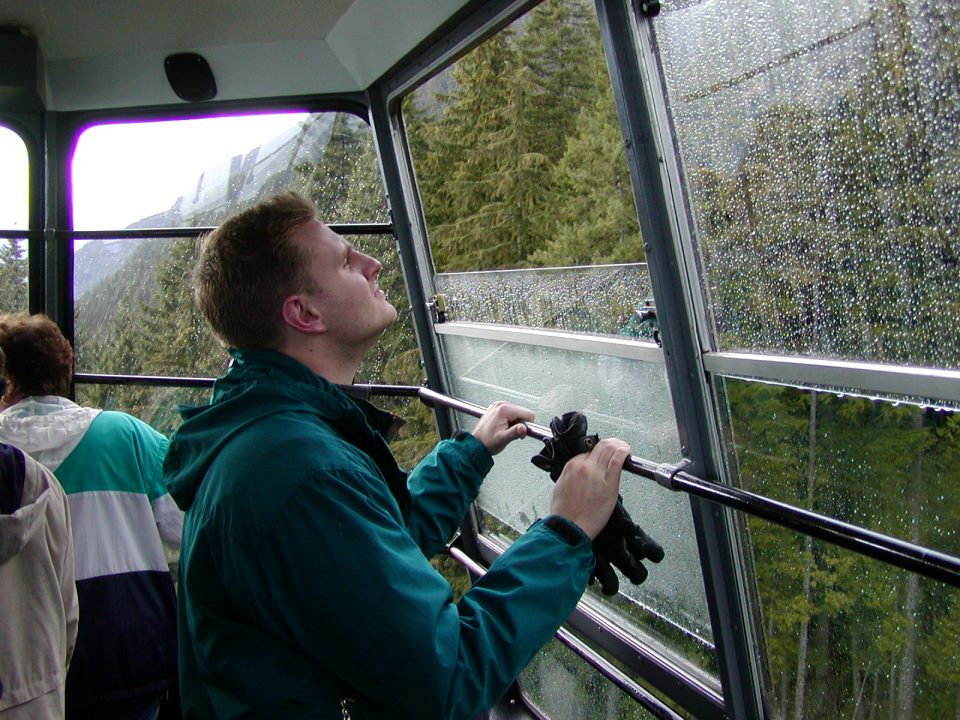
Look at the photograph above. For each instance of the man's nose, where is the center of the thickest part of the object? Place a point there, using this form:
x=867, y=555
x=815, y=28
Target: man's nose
x=373, y=266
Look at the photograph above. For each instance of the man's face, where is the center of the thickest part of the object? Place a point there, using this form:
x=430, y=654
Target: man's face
x=352, y=306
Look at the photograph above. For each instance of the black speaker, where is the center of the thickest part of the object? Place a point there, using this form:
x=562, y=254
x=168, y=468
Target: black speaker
x=190, y=77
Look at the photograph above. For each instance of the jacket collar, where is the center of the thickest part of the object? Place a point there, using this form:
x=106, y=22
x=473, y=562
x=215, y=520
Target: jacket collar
x=334, y=400
x=260, y=383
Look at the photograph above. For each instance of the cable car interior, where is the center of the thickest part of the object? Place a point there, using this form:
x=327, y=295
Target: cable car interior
x=726, y=232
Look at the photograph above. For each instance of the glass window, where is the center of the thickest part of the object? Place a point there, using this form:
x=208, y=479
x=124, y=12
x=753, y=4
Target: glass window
x=557, y=685
x=14, y=215
x=135, y=313
x=190, y=173
x=518, y=151
x=520, y=162
x=819, y=147
x=619, y=397
x=599, y=299
x=847, y=636
x=134, y=307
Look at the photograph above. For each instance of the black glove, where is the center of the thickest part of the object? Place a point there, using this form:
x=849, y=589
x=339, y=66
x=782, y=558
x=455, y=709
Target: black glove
x=569, y=438
x=621, y=543
x=624, y=544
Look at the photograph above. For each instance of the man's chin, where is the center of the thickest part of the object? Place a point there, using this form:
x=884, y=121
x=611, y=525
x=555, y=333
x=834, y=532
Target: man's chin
x=389, y=318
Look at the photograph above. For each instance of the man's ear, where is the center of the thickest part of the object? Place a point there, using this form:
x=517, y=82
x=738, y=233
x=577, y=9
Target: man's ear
x=301, y=313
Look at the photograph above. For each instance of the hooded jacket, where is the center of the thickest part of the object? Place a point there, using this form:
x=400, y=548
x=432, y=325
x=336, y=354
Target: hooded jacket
x=38, y=600
x=305, y=583
x=109, y=464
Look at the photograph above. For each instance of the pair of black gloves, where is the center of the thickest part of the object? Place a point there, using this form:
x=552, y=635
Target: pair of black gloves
x=621, y=543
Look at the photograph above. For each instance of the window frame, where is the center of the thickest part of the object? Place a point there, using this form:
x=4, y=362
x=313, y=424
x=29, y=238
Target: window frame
x=663, y=673
x=61, y=302
x=29, y=128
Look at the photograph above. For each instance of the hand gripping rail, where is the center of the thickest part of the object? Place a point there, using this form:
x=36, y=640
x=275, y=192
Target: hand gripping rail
x=915, y=558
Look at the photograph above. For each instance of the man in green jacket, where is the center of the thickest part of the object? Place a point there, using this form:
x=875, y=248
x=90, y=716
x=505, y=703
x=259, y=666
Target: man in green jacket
x=305, y=585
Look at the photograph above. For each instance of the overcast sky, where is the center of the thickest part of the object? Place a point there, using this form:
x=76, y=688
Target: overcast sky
x=13, y=181
x=125, y=172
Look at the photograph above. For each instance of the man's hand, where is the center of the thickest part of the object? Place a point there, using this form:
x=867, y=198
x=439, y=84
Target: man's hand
x=588, y=487
x=501, y=424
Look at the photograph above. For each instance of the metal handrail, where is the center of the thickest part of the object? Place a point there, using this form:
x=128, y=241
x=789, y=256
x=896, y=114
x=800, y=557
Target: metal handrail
x=894, y=551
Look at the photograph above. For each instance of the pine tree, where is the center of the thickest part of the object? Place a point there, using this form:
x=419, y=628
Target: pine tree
x=481, y=181
x=13, y=277
x=559, y=46
x=175, y=339
x=594, y=219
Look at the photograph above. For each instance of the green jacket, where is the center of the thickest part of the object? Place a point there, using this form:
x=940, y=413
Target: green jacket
x=304, y=572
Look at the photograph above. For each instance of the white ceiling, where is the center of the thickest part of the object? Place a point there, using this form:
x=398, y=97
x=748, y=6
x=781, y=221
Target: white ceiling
x=109, y=53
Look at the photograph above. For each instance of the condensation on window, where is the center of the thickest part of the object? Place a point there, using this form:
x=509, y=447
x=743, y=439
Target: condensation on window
x=819, y=144
x=601, y=299
x=620, y=398
x=14, y=215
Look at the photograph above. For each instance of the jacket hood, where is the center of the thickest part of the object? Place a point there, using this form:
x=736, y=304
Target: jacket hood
x=46, y=427
x=21, y=514
x=259, y=383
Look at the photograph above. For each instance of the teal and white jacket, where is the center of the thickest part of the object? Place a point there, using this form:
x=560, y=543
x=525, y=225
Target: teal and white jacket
x=304, y=572
x=110, y=466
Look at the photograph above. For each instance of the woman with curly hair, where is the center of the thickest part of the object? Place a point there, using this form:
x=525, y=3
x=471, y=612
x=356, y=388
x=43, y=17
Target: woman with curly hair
x=110, y=465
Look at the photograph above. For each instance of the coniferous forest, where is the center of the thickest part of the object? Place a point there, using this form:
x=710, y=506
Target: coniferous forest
x=834, y=234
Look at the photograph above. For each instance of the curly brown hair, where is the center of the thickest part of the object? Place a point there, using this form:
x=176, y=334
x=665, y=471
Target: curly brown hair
x=39, y=360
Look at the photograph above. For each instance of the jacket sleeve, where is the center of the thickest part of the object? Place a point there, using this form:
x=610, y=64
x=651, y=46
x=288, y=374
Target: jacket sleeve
x=62, y=531
x=442, y=487
x=363, y=602
x=152, y=449
x=68, y=587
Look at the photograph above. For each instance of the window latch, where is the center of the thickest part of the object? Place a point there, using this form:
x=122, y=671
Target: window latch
x=438, y=307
